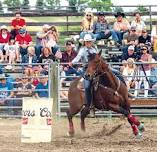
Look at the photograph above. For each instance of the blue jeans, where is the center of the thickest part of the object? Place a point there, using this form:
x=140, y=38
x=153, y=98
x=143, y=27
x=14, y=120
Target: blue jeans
x=23, y=51
x=88, y=93
x=102, y=35
x=117, y=36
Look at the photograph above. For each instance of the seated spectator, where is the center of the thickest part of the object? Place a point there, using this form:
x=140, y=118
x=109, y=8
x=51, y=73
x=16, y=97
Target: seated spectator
x=4, y=39
x=29, y=58
x=154, y=38
x=6, y=91
x=130, y=38
x=87, y=24
x=67, y=57
x=129, y=73
x=145, y=38
x=36, y=74
x=41, y=89
x=101, y=28
x=144, y=71
x=23, y=40
x=12, y=53
x=16, y=24
x=138, y=23
x=46, y=58
x=120, y=27
x=130, y=54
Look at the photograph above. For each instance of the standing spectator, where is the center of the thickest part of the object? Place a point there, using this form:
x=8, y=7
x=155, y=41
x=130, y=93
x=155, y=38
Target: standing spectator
x=41, y=89
x=67, y=57
x=40, y=36
x=144, y=70
x=120, y=27
x=101, y=28
x=138, y=23
x=23, y=40
x=11, y=52
x=29, y=58
x=17, y=23
x=4, y=39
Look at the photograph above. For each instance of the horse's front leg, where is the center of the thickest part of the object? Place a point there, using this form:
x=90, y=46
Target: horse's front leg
x=71, y=125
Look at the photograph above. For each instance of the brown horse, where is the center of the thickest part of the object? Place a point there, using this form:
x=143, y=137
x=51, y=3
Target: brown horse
x=109, y=94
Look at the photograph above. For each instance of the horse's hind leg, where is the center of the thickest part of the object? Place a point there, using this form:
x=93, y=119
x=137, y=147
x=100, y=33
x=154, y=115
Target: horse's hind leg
x=131, y=119
x=71, y=125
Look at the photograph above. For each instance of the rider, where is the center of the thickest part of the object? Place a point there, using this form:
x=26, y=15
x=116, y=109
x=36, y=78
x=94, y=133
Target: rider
x=87, y=49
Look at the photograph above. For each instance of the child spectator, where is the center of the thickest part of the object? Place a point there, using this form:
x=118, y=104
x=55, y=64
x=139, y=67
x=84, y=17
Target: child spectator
x=41, y=89
x=11, y=52
x=4, y=39
x=24, y=40
x=16, y=24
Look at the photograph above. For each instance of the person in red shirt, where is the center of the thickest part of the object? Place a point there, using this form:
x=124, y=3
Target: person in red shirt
x=23, y=40
x=17, y=23
x=4, y=39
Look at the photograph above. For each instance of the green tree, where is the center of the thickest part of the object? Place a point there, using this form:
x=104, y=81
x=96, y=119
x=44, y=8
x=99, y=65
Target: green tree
x=72, y=5
x=25, y=4
x=51, y=4
x=141, y=9
x=40, y=4
x=12, y=4
x=101, y=5
x=1, y=8
x=118, y=9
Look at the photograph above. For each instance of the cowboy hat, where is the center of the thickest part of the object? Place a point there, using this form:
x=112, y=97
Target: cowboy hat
x=119, y=14
x=3, y=27
x=88, y=37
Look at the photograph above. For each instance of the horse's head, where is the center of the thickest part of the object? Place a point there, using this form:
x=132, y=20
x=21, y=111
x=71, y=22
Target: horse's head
x=96, y=65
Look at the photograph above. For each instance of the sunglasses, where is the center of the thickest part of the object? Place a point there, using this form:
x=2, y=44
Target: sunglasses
x=133, y=30
x=144, y=32
x=143, y=49
x=88, y=15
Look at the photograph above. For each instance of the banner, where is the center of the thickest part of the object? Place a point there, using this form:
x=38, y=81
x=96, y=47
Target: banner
x=36, y=120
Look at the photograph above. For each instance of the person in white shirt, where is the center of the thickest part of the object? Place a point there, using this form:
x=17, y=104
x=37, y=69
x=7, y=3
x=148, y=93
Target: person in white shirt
x=12, y=53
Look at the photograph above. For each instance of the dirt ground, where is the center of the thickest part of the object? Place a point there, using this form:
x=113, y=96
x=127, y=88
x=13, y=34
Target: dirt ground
x=102, y=135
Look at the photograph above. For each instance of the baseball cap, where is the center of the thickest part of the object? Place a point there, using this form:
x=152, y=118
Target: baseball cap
x=131, y=48
x=22, y=31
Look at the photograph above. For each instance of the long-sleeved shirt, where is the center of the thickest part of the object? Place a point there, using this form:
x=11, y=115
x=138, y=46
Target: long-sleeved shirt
x=83, y=54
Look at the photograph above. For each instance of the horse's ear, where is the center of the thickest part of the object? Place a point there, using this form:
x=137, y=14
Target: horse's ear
x=100, y=52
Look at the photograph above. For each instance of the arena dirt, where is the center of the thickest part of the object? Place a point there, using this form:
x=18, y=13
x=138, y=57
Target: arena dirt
x=102, y=135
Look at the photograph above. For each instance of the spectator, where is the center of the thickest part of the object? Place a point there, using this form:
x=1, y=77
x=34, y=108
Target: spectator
x=29, y=58
x=16, y=24
x=101, y=28
x=24, y=40
x=144, y=71
x=145, y=38
x=120, y=27
x=4, y=39
x=40, y=36
x=47, y=57
x=138, y=23
x=87, y=24
x=154, y=38
x=129, y=72
x=41, y=89
x=67, y=57
x=130, y=54
x=5, y=90
x=11, y=52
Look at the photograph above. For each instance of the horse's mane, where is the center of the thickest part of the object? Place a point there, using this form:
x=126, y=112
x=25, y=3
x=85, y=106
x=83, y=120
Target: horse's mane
x=91, y=56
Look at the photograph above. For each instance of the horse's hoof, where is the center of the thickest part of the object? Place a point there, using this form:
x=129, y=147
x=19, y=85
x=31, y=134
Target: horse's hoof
x=70, y=134
x=141, y=127
x=139, y=135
